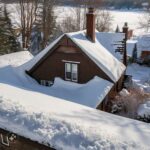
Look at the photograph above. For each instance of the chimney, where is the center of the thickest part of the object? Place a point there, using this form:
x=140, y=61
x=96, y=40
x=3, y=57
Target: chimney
x=125, y=30
x=90, y=24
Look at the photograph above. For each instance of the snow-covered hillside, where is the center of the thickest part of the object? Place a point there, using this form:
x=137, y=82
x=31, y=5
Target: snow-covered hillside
x=59, y=123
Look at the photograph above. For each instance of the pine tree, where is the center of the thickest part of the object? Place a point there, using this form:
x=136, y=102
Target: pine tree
x=134, y=54
x=7, y=38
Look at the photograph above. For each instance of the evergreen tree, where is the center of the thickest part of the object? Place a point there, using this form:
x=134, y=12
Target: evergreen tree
x=8, y=41
x=134, y=54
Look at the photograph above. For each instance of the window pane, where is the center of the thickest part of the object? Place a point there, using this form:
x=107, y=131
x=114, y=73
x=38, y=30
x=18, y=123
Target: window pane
x=68, y=71
x=68, y=75
x=74, y=68
x=74, y=76
x=68, y=67
x=74, y=72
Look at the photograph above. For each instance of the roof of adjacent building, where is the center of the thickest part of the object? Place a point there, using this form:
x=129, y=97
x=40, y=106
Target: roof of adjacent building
x=143, y=44
x=95, y=51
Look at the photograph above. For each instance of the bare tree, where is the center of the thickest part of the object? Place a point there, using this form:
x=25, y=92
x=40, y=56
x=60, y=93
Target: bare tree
x=144, y=20
x=77, y=21
x=47, y=21
x=104, y=21
x=28, y=14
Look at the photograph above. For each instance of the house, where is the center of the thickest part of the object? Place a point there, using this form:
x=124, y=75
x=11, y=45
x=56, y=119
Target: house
x=78, y=57
x=143, y=46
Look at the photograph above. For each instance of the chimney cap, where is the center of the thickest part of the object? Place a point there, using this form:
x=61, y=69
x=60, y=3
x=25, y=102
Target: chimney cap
x=91, y=10
x=125, y=24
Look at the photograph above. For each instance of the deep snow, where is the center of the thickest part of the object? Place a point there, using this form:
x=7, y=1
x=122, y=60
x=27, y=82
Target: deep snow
x=65, y=125
x=59, y=123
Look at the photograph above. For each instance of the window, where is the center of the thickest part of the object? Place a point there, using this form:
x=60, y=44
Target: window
x=46, y=83
x=71, y=72
x=68, y=71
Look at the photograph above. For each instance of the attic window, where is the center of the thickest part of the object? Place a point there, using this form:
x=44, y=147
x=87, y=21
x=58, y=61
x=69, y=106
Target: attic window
x=71, y=72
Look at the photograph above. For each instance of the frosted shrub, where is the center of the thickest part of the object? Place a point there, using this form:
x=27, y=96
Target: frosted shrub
x=126, y=103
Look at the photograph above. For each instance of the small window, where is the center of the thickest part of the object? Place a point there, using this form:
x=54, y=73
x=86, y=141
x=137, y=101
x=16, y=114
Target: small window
x=46, y=83
x=43, y=82
x=71, y=72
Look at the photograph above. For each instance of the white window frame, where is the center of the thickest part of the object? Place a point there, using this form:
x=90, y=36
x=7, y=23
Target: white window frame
x=71, y=63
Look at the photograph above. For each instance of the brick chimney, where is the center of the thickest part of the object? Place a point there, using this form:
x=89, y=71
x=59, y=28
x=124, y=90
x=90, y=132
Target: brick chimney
x=90, y=24
x=125, y=30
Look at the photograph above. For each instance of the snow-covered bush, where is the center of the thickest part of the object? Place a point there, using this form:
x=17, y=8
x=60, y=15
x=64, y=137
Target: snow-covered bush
x=143, y=112
x=126, y=103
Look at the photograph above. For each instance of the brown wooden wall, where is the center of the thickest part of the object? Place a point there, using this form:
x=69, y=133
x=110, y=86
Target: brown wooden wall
x=20, y=143
x=53, y=66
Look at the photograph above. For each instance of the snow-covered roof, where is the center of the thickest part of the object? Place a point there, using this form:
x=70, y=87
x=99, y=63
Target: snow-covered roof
x=130, y=47
x=65, y=125
x=108, y=39
x=15, y=59
x=95, y=51
x=90, y=94
x=140, y=76
x=143, y=44
x=99, y=54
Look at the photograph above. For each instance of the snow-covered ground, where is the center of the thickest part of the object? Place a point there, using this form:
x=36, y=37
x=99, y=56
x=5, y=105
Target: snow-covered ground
x=59, y=123
x=140, y=76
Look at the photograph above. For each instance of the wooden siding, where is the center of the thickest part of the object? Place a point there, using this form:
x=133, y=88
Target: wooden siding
x=54, y=66
x=20, y=143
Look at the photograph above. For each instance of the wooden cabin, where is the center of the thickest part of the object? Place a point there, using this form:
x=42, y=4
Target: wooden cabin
x=78, y=57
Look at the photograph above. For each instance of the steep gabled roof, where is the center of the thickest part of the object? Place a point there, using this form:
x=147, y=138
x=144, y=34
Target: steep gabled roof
x=95, y=51
x=108, y=39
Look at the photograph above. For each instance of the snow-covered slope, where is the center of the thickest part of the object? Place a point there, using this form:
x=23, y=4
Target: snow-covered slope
x=108, y=39
x=65, y=125
x=15, y=59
